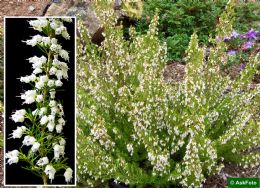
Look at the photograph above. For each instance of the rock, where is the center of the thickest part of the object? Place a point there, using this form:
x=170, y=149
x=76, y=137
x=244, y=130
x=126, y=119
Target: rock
x=84, y=11
x=31, y=8
x=58, y=9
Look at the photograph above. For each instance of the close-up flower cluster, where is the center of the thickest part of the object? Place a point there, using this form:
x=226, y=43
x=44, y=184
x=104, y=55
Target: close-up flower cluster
x=41, y=121
x=136, y=129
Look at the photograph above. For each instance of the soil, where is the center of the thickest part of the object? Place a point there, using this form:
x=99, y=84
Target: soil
x=22, y=8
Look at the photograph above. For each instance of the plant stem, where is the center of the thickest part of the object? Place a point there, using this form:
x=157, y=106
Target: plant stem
x=45, y=179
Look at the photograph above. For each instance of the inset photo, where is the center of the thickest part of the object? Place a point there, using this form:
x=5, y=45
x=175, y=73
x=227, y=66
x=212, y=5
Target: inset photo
x=40, y=101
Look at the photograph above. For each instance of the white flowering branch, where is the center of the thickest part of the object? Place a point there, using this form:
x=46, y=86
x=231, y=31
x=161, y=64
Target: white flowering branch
x=42, y=128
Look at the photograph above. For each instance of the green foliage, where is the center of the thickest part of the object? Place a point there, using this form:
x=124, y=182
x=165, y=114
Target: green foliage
x=179, y=19
x=247, y=16
x=136, y=129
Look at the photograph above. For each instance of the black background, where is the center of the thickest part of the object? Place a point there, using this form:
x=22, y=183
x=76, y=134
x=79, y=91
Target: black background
x=16, y=65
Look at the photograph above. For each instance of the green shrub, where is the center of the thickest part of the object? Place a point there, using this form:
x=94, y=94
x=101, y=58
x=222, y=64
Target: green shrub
x=247, y=16
x=136, y=129
x=179, y=19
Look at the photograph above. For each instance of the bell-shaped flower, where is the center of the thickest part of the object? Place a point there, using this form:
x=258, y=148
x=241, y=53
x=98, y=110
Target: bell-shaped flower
x=68, y=175
x=28, y=140
x=42, y=161
x=18, y=116
x=12, y=156
x=50, y=171
x=18, y=133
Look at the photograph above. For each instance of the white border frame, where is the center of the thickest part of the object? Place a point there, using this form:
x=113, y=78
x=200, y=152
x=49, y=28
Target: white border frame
x=75, y=86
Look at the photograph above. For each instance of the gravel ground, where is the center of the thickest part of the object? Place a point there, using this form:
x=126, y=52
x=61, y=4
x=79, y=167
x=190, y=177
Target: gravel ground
x=21, y=8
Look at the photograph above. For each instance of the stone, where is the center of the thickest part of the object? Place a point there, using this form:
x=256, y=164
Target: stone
x=84, y=11
x=31, y=8
x=59, y=9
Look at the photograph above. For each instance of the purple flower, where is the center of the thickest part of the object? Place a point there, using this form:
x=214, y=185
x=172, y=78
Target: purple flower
x=242, y=66
x=234, y=34
x=226, y=39
x=247, y=45
x=252, y=34
x=232, y=52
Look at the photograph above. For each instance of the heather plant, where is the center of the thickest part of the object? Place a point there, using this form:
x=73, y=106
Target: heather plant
x=136, y=129
x=41, y=121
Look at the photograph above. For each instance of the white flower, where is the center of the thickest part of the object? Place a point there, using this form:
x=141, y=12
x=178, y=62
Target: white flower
x=44, y=78
x=52, y=94
x=53, y=70
x=62, y=142
x=52, y=103
x=59, y=128
x=42, y=161
x=51, y=83
x=58, y=83
x=59, y=74
x=51, y=118
x=25, y=79
x=44, y=120
x=65, y=35
x=55, y=47
x=18, y=116
x=51, y=126
x=28, y=140
x=50, y=171
x=35, y=112
x=34, y=41
x=39, y=85
x=54, y=41
x=61, y=121
x=37, y=71
x=35, y=146
x=130, y=148
x=58, y=150
x=31, y=42
x=46, y=40
x=39, y=98
x=54, y=24
x=18, y=133
x=68, y=175
x=41, y=60
x=29, y=96
x=64, y=54
x=43, y=111
x=39, y=23
x=54, y=110
x=37, y=62
x=60, y=29
x=12, y=157
x=67, y=19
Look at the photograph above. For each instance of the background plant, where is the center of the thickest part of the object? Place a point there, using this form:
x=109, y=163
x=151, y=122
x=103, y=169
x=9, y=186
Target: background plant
x=247, y=16
x=241, y=47
x=179, y=19
x=136, y=129
x=42, y=120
